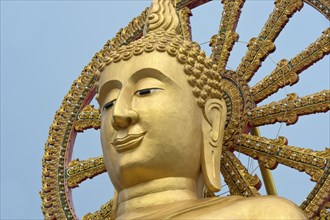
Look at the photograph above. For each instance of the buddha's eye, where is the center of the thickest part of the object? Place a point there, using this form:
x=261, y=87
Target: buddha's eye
x=109, y=105
x=144, y=92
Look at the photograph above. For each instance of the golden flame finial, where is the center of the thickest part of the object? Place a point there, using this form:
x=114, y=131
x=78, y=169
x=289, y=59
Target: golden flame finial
x=162, y=16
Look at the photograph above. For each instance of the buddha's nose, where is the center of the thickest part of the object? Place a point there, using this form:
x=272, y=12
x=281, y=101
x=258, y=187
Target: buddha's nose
x=123, y=116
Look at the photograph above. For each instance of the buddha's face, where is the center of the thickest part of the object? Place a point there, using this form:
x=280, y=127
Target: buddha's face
x=150, y=122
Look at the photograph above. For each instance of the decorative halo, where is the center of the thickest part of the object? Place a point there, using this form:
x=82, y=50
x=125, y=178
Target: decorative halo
x=60, y=173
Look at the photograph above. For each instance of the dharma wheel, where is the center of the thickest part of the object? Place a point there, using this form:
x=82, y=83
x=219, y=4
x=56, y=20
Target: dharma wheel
x=246, y=112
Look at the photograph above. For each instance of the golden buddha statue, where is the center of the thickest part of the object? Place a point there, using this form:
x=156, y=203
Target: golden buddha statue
x=162, y=128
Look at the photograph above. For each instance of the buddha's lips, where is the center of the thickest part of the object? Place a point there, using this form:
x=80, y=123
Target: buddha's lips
x=129, y=142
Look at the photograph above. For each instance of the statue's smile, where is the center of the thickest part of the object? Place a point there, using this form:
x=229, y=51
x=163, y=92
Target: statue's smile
x=128, y=142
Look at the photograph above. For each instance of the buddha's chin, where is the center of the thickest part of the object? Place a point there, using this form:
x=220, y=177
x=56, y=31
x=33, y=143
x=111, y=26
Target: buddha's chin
x=133, y=170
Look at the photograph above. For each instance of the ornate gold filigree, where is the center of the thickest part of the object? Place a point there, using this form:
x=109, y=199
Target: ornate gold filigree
x=314, y=163
x=259, y=48
x=238, y=101
x=223, y=42
x=184, y=16
x=125, y=35
x=320, y=194
x=324, y=213
x=189, y=3
x=239, y=181
x=56, y=194
x=79, y=171
x=56, y=197
x=89, y=117
x=289, y=109
x=103, y=213
x=134, y=29
x=322, y=6
x=271, y=152
x=286, y=71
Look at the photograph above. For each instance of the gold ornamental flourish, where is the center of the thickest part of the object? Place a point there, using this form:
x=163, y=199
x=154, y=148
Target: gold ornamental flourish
x=289, y=109
x=59, y=174
x=260, y=47
x=286, y=72
x=89, y=117
x=239, y=180
x=273, y=151
x=104, y=213
x=321, y=5
x=184, y=15
x=223, y=42
x=79, y=171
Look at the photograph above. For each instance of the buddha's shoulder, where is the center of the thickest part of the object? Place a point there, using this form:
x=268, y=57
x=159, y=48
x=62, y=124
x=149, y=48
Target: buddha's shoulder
x=237, y=207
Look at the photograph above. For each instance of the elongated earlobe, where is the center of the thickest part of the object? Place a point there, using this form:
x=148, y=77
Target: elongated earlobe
x=213, y=129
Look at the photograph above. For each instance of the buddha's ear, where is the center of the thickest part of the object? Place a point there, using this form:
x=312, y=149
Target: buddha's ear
x=213, y=126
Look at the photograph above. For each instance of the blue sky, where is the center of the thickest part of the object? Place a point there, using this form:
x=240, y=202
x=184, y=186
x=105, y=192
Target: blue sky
x=46, y=44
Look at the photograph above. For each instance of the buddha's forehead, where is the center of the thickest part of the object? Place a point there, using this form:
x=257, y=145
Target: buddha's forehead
x=157, y=65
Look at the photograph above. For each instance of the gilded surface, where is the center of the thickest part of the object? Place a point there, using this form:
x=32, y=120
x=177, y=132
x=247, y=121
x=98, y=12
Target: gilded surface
x=260, y=47
x=55, y=194
x=89, y=117
x=322, y=6
x=103, y=214
x=324, y=213
x=318, y=197
x=239, y=181
x=238, y=101
x=315, y=163
x=184, y=16
x=128, y=34
x=286, y=72
x=271, y=152
x=73, y=116
x=289, y=109
x=134, y=29
x=157, y=16
x=223, y=42
x=79, y=171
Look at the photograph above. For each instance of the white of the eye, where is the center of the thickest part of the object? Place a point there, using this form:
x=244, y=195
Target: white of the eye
x=147, y=91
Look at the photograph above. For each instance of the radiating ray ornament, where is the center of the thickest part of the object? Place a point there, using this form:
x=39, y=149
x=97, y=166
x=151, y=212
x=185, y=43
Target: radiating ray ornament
x=61, y=174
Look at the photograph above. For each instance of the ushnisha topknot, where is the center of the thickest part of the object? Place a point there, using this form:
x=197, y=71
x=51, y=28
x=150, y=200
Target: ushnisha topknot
x=162, y=16
x=201, y=72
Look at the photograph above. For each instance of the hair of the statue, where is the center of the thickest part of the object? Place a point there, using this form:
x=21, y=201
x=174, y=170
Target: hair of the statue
x=162, y=35
x=201, y=72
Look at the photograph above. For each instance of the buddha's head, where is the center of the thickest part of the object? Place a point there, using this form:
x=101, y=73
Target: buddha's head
x=162, y=113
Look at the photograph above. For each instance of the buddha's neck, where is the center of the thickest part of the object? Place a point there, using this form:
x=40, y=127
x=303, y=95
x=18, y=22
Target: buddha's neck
x=156, y=192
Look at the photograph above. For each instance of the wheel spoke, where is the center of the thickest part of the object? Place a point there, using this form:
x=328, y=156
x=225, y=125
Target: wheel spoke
x=286, y=72
x=319, y=195
x=270, y=152
x=184, y=16
x=239, y=181
x=223, y=42
x=79, y=171
x=260, y=47
x=103, y=213
x=190, y=3
x=89, y=117
x=325, y=212
x=289, y=109
x=322, y=6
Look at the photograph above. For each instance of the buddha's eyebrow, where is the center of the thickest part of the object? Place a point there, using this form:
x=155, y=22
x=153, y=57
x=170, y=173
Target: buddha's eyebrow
x=152, y=73
x=107, y=87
